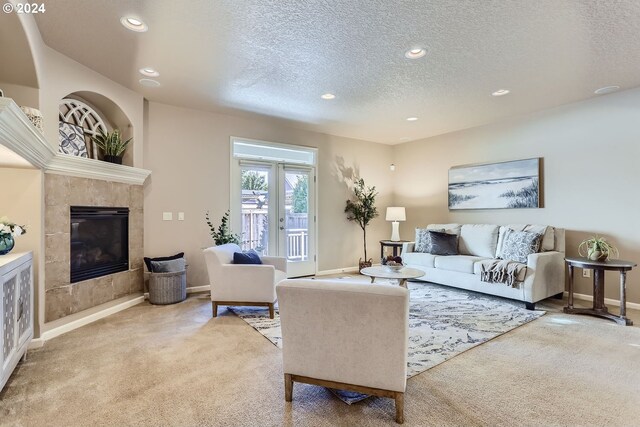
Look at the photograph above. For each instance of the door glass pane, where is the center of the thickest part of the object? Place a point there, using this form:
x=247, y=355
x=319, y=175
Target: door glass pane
x=255, y=209
x=296, y=188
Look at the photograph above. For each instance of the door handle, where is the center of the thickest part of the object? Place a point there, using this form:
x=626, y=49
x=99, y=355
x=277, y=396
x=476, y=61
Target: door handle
x=281, y=227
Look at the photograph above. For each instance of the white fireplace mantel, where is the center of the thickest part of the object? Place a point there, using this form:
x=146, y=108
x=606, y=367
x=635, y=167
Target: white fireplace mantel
x=20, y=135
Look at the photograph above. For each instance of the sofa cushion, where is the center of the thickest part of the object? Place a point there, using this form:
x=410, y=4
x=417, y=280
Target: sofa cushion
x=522, y=268
x=460, y=263
x=479, y=239
x=442, y=243
x=246, y=257
x=548, y=232
x=423, y=239
x=418, y=259
x=518, y=245
x=448, y=228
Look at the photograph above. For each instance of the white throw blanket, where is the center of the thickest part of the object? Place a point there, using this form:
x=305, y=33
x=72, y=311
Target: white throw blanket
x=500, y=271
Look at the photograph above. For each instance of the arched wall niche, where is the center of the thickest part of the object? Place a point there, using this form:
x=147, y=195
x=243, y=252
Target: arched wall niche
x=18, y=76
x=109, y=113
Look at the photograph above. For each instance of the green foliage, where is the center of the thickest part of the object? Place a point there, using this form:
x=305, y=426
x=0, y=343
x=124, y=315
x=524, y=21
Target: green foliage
x=301, y=195
x=252, y=180
x=588, y=247
x=222, y=234
x=111, y=143
x=362, y=208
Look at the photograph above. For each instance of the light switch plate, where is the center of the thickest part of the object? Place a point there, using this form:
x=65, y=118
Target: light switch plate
x=586, y=272
x=180, y=216
x=167, y=216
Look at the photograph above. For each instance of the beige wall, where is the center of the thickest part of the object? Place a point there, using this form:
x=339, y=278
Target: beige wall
x=188, y=152
x=22, y=195
x=23, y=95
x=591, y=174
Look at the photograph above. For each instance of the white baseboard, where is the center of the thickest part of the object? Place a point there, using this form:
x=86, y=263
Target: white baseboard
x=82, y=321
x=337, y=271
x=191, y=290
x=585, y=297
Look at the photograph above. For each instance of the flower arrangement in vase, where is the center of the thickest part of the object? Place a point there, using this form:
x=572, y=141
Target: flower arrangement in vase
x=8, y=232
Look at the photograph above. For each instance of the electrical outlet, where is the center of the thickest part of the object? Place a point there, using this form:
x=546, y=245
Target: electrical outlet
x=167, y=216
x=180, y=216
x=586, y=272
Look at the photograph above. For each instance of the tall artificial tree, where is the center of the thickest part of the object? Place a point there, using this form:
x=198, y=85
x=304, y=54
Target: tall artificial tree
x=361, y=209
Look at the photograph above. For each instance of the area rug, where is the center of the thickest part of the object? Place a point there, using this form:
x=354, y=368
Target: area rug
x=443, y=322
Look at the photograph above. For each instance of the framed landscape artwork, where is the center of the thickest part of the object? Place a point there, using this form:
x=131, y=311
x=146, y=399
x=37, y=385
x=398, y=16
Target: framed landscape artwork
x=504, y=185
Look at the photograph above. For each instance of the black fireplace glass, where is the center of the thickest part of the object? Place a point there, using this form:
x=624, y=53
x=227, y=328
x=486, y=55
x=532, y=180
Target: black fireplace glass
x=99, y=241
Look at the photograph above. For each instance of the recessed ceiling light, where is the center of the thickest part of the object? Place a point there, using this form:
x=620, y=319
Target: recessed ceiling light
x=149, y=82
x=149, y=72
x=133, y=24
x=415, y=53
x=500, y=92
x=404, y=139
x=328, y=96
x=606, y=89
x=412, y=119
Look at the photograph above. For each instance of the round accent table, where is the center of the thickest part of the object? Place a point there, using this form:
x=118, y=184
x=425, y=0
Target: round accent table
x=599, y=267
x=401, y=276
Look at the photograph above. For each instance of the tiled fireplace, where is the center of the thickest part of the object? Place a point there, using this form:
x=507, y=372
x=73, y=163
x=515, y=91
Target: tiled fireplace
x=106, y=215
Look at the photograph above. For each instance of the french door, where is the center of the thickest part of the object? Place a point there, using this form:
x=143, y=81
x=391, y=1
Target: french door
x=278, y=212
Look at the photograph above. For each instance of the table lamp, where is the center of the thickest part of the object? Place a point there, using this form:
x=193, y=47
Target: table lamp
x=395, y=214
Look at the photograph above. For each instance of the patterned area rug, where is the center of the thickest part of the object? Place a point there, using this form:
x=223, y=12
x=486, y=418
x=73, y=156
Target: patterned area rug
x=443, y=322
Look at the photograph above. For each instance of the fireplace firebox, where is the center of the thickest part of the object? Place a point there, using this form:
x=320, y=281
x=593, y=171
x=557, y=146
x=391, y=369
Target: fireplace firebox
x=99, y=241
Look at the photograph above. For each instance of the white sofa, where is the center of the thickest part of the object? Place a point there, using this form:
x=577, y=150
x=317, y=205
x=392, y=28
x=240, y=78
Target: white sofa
x=242, y=284
x=349, y=336
x=542, y=276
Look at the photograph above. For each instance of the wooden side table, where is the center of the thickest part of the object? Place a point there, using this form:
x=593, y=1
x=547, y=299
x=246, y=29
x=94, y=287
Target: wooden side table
x=396, y=245
x=599, y=267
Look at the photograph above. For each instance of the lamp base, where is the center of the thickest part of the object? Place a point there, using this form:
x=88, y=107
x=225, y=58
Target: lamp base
x=395, y=231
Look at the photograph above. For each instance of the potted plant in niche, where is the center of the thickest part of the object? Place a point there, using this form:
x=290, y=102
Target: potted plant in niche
x=361, y=209
x=597, y=249
x=112, y=145
x=8, y=232
x=222, y=234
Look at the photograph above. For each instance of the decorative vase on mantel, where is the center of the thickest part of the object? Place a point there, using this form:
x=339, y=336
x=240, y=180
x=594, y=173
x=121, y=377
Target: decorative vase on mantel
x=113, y=159
x=6, y=243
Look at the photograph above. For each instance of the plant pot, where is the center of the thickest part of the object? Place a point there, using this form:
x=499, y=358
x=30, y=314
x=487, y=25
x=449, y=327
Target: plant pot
x=113, y=159
x=6, y=244
x=364, y=264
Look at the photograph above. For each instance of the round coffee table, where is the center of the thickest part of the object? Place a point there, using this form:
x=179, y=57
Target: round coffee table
x=401, y=276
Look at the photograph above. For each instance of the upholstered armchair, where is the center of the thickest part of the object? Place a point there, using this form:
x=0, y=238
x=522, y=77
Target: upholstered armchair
x=347, y=336
x=242, y=284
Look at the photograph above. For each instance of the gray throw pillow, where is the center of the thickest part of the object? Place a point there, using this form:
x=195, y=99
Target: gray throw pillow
x=423, y=239
x=441, y=243
x=518, y=245
x=169, y=266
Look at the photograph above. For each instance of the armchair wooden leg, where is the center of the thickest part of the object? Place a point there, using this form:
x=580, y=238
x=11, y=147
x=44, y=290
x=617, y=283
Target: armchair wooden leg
x=400, y=408
x=288, y=387
x=271, y=312
x=214, y=306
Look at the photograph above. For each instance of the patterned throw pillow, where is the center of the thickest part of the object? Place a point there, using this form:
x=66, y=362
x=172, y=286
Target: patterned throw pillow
x=518, y=245
x=423, y=239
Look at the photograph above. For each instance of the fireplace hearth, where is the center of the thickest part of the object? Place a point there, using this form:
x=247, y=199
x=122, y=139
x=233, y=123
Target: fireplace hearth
x=99, y=241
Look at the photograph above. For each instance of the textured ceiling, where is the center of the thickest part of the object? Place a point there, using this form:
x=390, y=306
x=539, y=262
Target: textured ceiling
x=277, y=57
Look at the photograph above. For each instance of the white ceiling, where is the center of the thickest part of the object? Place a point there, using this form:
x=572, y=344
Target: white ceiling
x=276, y=57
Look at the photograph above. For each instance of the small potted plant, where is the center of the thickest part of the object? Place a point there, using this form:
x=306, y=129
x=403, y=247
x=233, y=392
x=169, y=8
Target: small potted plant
x=362, y=209
x=112, y=145
x=8, y=232
x=222, y=234
x=597, y=249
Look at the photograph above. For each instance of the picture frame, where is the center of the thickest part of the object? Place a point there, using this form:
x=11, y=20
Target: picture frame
x=513, y=184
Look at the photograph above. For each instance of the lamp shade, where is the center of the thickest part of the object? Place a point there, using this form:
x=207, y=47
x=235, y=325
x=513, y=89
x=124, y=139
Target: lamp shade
x=396, y=214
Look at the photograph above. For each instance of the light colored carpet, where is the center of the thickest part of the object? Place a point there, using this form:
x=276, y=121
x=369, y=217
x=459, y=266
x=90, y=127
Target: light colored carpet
x=175, y=365
x=443, y=322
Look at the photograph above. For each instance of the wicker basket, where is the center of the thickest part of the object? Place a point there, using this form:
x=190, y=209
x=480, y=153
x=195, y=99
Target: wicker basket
x=167, y=288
